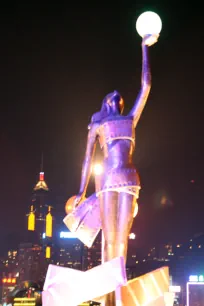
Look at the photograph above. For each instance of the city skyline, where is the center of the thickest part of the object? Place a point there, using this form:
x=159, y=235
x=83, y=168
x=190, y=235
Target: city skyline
x=57, y=64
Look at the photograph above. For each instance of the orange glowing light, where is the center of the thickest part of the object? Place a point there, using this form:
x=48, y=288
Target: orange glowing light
x=4, y=280
x=69, y=206
x=13, y=280
x=9, y=280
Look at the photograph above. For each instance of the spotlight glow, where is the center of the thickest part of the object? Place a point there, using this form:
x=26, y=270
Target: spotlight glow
x=98, y=169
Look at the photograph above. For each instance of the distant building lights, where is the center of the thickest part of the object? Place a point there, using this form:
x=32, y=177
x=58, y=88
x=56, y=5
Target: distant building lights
x=9, y=280
x=67, y=235
x=193, y=278
x=201, y=278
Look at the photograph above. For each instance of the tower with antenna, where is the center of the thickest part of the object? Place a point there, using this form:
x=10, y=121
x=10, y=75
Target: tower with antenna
x=40, y=217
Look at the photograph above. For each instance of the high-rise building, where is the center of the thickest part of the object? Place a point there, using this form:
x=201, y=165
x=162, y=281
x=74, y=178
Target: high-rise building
x=40, y=217
x=32, y=264
x=39, y=208
x=69, y=251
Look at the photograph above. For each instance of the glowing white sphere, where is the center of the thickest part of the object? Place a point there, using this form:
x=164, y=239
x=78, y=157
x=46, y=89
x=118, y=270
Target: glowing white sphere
x=148, y=23
x=98, y=169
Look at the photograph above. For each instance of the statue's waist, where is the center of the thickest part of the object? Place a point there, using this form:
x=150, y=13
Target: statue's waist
x=116, y=178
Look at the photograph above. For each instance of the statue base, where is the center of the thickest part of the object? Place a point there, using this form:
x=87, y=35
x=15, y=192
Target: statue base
x=65, y=286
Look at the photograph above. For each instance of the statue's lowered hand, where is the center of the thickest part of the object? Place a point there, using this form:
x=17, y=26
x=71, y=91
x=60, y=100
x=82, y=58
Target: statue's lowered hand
x=73, y=202
x=79, y=198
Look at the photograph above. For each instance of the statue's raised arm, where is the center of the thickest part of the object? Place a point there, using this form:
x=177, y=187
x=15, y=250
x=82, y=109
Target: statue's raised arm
x=141, y=99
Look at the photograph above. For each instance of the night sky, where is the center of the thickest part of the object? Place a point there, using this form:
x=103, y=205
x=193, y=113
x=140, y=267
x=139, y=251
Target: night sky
x=57, y=62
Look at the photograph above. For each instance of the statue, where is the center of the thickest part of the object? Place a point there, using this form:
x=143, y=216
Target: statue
x=118, y=187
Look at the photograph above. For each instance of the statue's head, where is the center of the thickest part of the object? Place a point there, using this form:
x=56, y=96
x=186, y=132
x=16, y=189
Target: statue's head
x=112, y=105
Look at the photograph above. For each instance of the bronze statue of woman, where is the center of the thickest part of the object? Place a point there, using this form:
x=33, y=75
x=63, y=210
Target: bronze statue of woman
x=118, y=186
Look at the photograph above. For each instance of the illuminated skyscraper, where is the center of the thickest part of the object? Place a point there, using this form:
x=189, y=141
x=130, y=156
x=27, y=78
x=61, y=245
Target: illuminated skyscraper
x=40, y=217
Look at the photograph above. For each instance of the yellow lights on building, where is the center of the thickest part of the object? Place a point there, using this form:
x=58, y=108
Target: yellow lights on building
x=49, y=223
x=24, y=301
x=48, y=252
x=31, y=220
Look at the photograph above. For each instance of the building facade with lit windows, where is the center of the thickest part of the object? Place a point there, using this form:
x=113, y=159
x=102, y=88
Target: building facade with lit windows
x=68, y=251
x=92, y=256
x=40, y=215
x=32, y=264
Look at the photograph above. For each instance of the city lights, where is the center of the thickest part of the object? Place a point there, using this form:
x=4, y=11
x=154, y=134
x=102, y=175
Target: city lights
x=196, y=278
x=9, y=280
x=67, y=235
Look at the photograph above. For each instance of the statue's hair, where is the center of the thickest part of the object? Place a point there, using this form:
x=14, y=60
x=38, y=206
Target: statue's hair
x=105, y=108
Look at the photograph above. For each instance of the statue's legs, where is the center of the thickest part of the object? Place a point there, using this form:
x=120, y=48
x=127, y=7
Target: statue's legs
x=117, y=211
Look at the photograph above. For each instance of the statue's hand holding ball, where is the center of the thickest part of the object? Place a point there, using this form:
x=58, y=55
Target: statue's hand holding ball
x=149, y=26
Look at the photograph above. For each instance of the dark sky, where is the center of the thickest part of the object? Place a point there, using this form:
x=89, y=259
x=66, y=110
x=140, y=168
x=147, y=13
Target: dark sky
x=57, y=62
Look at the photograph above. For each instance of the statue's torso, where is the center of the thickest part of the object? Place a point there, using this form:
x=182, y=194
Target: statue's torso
x=117, y=140
x=116, y=136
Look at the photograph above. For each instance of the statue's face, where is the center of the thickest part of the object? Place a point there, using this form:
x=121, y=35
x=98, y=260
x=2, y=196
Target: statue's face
x=113, y=103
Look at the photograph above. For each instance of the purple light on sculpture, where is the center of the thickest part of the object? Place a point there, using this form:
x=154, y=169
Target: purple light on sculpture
x=114, y=204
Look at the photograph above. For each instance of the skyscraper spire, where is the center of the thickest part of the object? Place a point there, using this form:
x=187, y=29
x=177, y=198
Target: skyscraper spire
x=41, y=166
x=41, y=184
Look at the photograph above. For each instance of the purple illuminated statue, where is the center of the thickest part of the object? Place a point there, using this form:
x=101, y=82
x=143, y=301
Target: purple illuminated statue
x=113, y=206
x=118, y=186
